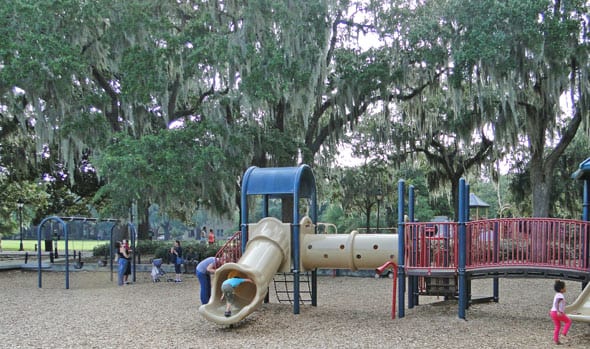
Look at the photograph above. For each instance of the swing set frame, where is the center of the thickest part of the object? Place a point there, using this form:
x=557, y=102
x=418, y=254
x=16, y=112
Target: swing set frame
x=64, y=229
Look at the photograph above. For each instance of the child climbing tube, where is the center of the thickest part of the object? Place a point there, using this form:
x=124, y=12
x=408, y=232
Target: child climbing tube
x=227, y=288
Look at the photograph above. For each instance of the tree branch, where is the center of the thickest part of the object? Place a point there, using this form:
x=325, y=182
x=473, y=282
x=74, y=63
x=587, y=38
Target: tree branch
x=114, y=113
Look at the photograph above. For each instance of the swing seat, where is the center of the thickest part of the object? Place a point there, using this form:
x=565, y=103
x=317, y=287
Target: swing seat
x=78, y=265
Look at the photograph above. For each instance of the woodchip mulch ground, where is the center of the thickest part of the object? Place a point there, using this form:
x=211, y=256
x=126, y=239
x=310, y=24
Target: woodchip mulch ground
x=352, y=312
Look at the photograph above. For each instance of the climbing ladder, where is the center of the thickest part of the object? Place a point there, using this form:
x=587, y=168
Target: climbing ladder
x=283, y=285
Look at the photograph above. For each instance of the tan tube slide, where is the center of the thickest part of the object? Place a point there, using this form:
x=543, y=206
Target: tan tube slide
x=580, y=309
x=268, y=252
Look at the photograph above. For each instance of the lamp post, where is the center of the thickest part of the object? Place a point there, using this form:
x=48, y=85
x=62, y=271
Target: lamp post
x=20, y=205
x=379, y=198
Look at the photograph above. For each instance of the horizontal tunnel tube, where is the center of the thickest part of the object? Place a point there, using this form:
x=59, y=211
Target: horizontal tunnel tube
x=347, y=251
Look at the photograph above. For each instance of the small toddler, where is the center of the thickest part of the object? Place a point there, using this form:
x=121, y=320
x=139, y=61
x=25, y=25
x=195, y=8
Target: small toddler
x=557, y=312
x=227, y=287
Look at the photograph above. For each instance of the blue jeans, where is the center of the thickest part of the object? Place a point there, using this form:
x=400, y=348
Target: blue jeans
x=205, y=282
x=121, y=271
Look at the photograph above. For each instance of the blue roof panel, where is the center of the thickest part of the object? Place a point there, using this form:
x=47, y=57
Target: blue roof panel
x=583, y=171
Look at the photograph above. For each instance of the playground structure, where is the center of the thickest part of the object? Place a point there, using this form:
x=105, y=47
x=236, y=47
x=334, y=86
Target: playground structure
x=272, y=246
x=443, y=258
x=437, y=258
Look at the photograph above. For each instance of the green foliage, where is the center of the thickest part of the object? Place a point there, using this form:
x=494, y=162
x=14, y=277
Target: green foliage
x=161, y=249
x=102, y=250
x=274, y=83
x=171, y=168
x=566, y=197
x=34, y=197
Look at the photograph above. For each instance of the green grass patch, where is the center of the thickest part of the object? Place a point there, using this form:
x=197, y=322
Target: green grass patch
x=29, y=245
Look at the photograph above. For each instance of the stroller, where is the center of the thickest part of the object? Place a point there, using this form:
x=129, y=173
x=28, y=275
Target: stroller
x=157, y=271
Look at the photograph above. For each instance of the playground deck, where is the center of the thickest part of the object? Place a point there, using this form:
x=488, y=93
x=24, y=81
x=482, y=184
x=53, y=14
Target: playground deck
x=513, y=247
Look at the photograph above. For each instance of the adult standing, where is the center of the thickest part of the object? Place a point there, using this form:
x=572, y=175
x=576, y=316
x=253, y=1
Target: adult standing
x=123, y=260
x=204, y=270
x=203, y=234
x=177, y=252
x=128, y=267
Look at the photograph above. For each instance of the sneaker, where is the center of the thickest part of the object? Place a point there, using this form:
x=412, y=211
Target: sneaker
x=227, y=313
x=177, y=280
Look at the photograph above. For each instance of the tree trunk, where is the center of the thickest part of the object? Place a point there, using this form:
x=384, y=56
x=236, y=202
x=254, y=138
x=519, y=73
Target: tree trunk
x=541, y=189
x=541, y=183
x=455, y=197
x=143, y=228
x=368, y=225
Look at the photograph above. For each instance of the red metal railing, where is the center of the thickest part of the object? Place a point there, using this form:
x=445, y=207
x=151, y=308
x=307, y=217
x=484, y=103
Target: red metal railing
x=530, y=242
x=231, y=251
x=538, y=242
x=431, y=245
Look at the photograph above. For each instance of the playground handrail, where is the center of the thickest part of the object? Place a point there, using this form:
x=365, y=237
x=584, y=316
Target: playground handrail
x=231, y=251
x=497, y=243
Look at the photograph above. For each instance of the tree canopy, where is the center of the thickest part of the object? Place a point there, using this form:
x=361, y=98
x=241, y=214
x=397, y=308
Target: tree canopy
x=164, y=102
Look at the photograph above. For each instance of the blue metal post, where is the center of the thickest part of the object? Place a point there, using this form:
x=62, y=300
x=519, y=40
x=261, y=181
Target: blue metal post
x=65, y=227
x=111, y=247
x=496, y=281
x=586, y=217
x=296, y=251
x=314, y=273
x=244, y=208
x=585, y=201
x=39, y=262
x=401, y=256
x=465, y=199
x=132, y=234
x=412, y=280
x=39, y=281
x=265, y=206
x=462, y=250
x=467, y=218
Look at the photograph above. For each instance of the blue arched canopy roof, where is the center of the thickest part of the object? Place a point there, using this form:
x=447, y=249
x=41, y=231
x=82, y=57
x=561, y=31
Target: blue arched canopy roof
x=279, y=181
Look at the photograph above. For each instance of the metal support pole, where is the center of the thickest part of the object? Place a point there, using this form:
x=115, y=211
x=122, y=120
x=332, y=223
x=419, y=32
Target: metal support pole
x=20, y=205
x=462, y=249
x=413, y=298
x=379, y=198
x=401, y=254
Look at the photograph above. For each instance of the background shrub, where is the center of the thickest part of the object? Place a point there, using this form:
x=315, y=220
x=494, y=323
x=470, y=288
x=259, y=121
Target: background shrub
x=192, y=250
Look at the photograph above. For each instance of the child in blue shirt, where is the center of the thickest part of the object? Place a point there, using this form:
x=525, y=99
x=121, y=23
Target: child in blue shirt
x=227, y=287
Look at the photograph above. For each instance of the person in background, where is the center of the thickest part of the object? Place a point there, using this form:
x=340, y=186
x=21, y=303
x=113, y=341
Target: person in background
x=177, y=252
x=557, y=312
x=204, y=234
x=227, y=289
x=128, y=267
x=204, y=270
x=123, y=260
x=211, y=238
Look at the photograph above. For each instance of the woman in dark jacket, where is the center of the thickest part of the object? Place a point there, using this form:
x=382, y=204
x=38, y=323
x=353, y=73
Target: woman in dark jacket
x=177, y=252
